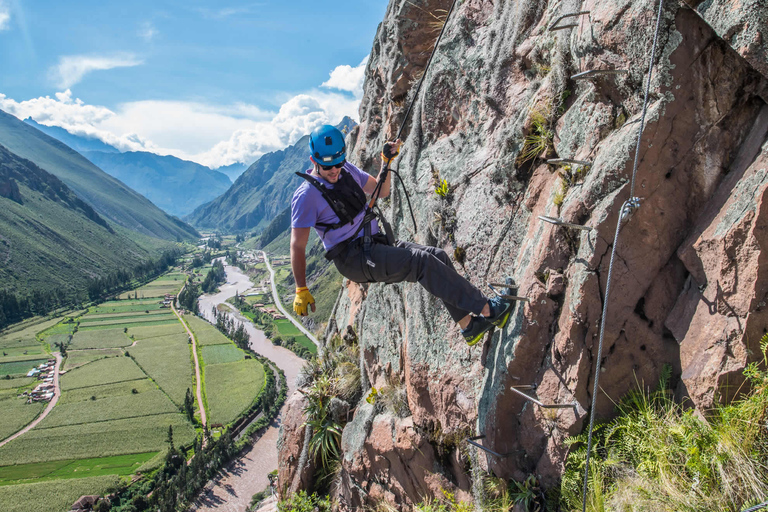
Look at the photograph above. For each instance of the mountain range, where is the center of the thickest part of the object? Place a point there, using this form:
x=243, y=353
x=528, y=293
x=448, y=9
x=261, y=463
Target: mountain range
x=260, y=193
x=177, y=186
x=63, y=220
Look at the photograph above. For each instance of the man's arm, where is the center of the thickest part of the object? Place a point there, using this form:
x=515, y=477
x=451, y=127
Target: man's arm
x=299, y=239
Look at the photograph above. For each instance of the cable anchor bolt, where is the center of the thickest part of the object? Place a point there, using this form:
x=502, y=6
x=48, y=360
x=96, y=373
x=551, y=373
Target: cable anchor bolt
x=628, y=209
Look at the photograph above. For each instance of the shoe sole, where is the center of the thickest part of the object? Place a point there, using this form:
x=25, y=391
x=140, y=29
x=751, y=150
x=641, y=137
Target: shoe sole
x=477, y=338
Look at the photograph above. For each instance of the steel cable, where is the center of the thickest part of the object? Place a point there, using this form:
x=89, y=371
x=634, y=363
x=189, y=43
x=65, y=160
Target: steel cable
x=626, y=211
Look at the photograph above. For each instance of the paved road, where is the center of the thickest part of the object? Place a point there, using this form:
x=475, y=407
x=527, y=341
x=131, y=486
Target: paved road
x=280, y=305
x=233, y=490
x=51, y=404
x=199, y=390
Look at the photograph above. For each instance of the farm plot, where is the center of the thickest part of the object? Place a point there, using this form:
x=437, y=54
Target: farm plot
x=27, y=330
x=218, y=354
x=78, y=468
x=21, y=348
x=155, y=331
x=231, y=388
x=17, y=383
x=287, y=328
x=77, y=358
x=168, y=361
x=101, y=439
x=107, y=391
x=127, y=306
x=103, y=371
x=155, y=289
x=205, y=333
x=137, y=321
x=20, y=368
x=131, y=315
x=93, y=410
x=101, y=338
x=17, y=413
x=53, y=496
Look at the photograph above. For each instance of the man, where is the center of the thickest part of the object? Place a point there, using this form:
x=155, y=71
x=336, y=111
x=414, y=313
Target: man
x=333, y=201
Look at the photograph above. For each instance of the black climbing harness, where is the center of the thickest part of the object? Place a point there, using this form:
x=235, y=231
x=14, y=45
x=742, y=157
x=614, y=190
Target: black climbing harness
x=346, y=198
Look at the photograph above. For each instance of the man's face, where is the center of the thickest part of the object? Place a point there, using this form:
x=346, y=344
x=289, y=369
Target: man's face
x=330, y=174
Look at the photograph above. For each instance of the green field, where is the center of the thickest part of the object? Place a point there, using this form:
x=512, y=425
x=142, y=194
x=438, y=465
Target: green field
x=131, y=315
x=130, y=405
x=287, y=328
x=100, y=439
x=54, y=495
x=218, y=354
x=205, y=333
x=156, y=289
x=101, y=338
x=18, y=382
x=12, y=353
x=168, y=361
x=150, y=322
x=127, y=306
x=155, y=331
x=20, y=368
x=103, y=371
x=231, y=388
x=77, y=468
x=107, y=391
x=16, y=413
x=76, y=358
x=27, y=330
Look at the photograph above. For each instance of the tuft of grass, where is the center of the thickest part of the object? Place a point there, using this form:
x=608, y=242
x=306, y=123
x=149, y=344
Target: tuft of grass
x=539, y=139
x=658, y=455
x=442, y=189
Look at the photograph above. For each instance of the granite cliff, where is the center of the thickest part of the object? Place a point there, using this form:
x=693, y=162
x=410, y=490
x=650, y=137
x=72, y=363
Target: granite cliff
x=689, y=284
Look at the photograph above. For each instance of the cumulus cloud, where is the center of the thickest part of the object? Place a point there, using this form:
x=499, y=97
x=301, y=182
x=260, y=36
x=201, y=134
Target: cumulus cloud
x=5, y=16
x=72, y=68
x=76, y=117
x=347, y=78
x=213, y=135
x=147, y=31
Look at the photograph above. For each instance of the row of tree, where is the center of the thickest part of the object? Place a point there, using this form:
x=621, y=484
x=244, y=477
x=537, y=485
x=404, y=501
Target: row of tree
x=15, y=306
x=215, y=277
x=232, y=329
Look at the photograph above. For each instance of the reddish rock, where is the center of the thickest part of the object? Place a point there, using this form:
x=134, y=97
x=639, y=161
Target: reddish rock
x=292, y=475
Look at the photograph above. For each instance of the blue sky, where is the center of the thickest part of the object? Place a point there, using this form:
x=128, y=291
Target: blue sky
x=208, y=81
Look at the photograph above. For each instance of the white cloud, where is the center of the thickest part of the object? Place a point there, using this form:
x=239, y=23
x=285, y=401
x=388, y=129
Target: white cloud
x=72, y=68
x=213, y=135
x=147, y=31
x=5, y=16
x=347, y=78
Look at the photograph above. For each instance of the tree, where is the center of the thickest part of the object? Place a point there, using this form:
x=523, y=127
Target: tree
x=189, y=406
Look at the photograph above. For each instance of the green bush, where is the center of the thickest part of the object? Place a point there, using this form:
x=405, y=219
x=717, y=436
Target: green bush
x=301, y=502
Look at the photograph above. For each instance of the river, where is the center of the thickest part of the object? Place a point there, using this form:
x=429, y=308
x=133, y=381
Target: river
x=233, y=489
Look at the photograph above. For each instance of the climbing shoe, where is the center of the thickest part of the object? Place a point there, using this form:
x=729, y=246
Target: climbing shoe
x=476, y=329
x=500, y=311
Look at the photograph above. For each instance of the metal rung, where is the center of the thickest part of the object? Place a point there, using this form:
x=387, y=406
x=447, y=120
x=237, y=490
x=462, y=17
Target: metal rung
x=556, y=161
x=596, y=72
x=527, y=386
x=561, y=222
x=471, y=440
x=554, y=26
x=505, y=295
x=545, y=406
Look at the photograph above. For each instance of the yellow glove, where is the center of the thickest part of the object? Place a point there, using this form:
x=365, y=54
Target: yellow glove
x=302, y=300
x=390, y=151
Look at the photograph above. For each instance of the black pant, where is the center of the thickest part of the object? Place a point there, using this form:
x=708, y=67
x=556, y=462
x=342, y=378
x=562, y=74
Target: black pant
x=406, y=261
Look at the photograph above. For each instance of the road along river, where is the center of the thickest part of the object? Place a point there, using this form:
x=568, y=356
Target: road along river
x=233, y=489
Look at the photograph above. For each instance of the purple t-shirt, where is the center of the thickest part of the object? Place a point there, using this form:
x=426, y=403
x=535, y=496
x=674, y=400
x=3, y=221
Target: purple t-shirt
x=308, y=207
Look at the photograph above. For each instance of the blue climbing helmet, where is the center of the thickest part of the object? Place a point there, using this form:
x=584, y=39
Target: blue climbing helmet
x=326, y=145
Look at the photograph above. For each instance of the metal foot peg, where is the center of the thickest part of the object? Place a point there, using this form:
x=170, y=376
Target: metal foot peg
x=554, y=26
x=510, y=289
x=472, y=441
x=560, y=222
x=516, y=389
x=557, y=161
x=596, y=72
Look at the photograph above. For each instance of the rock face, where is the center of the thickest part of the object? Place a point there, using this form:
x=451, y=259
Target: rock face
x=688, y=288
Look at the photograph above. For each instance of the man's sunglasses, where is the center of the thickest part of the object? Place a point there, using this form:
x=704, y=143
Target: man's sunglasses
x=329, y=167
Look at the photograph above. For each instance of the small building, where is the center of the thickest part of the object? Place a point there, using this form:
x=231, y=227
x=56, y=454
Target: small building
x=85, y=503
